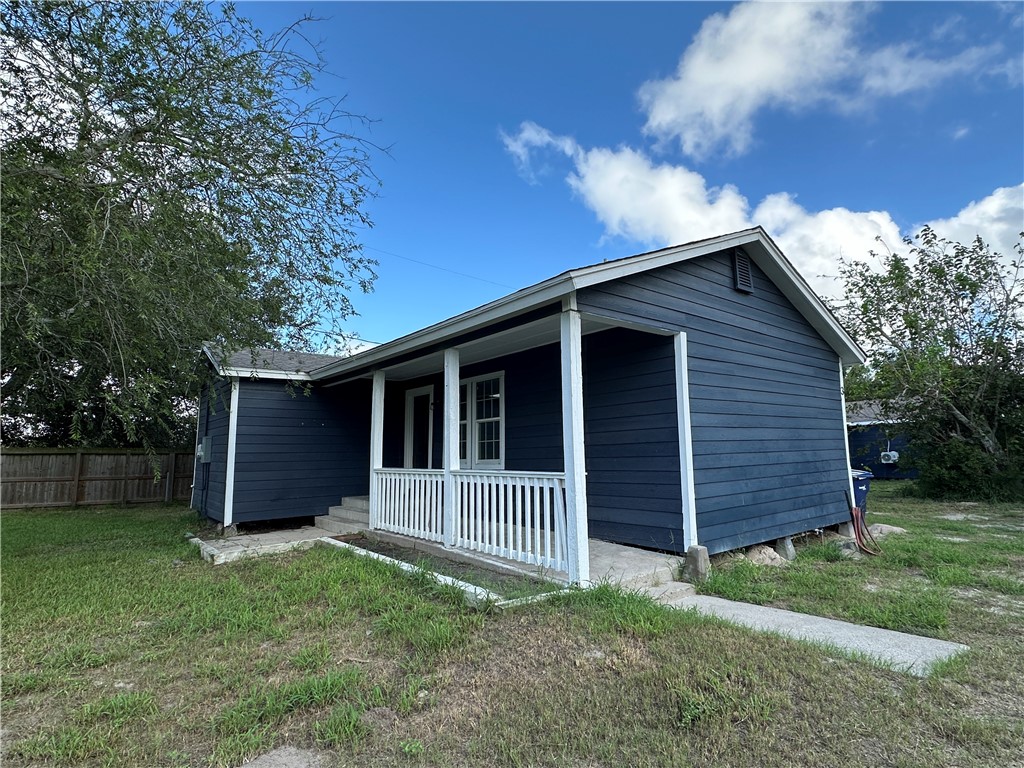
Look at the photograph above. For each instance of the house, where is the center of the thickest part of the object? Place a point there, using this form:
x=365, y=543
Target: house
x=876, y=442
x=686, y=396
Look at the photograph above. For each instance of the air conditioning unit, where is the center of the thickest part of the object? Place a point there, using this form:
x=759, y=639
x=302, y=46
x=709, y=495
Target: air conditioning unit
x=890, y=457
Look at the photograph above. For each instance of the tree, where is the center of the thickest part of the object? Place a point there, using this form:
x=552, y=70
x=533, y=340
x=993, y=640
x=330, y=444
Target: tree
x=169, y=177
x=944, y=329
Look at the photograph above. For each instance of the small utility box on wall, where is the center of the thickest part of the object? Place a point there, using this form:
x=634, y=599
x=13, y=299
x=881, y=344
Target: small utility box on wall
x=204, y=450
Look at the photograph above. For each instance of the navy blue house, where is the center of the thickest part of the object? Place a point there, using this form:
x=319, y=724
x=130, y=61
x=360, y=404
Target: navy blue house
x=690, y=395
x=876, y=443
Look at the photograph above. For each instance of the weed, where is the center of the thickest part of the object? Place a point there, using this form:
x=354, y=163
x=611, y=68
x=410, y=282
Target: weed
x=312, y=657
x=343, y=727
x=412, y=747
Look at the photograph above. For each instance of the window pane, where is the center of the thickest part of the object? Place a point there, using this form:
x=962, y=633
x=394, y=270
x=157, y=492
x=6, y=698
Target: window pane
x=462, y=441
x=488, y=398
x=488, y=443
x=462, y=403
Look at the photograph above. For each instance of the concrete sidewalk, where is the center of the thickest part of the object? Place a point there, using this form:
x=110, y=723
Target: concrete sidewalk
x=908, y=653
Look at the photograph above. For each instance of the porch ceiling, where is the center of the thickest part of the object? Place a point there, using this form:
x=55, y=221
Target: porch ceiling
x=538, y=333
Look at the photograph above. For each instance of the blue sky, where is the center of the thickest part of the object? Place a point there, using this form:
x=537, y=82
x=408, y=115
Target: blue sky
x=529, y=138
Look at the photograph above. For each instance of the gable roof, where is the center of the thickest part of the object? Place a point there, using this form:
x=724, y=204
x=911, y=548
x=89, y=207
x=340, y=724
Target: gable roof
x=755, y=241
x=759, y=246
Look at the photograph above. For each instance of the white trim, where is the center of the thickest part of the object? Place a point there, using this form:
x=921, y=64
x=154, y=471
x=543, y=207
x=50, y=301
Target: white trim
x=574, y=449
x=410, y=395
x=376, y=444
x=472, y=463
x=451, y=442
x=846, y=432
x=262, y=373
x=689, y=495
x=229, y=478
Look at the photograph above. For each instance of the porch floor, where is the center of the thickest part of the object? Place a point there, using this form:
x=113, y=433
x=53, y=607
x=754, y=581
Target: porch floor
x=628, y=567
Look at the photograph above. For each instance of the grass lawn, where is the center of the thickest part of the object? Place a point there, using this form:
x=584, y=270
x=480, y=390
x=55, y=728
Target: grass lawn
x=121, y=647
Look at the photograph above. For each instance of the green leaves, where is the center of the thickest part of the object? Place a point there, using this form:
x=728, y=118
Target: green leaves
x=168, y=180
x=944, y=329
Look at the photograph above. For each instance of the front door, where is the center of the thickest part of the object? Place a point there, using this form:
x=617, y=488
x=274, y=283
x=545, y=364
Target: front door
x=419, y=428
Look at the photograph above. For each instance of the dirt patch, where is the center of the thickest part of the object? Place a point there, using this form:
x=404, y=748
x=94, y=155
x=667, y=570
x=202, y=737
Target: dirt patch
x=505, y=584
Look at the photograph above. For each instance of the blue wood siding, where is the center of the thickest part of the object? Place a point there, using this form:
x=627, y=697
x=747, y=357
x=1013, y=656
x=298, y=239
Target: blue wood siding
x=767, y=420
x=209, y=483
x=297, y=452
x=632, y=444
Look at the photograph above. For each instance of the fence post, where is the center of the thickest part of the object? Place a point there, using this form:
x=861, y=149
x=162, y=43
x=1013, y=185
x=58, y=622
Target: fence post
x=124, y=481
x=169, y=495
x=77, y=475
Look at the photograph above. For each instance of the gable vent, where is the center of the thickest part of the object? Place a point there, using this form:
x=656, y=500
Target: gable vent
x=741, y=271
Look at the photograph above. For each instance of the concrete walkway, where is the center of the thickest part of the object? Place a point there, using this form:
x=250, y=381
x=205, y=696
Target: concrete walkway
x=900, y=651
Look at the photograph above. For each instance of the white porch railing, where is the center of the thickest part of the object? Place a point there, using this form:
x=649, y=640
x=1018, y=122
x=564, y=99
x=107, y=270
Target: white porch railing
x=515, y=515
x=410, y=502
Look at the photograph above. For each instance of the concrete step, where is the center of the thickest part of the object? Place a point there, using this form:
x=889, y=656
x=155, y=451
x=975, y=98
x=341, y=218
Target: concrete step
x=349, y=515
x=357, y=502
x=653, y=576
x=336, y=527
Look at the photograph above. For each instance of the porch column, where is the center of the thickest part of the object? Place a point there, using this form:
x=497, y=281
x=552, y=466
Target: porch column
x=685, y=442
x=376, y=444
x=573, y=449
x=451, y=442
x=229, y=479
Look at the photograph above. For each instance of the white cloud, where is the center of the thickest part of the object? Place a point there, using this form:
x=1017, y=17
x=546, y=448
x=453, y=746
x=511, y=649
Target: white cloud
x=998, y=218
x=532, y=137
x=664, y=204
x=785, y=56
x=815, y=241
x=650, y=203
x=898, y=69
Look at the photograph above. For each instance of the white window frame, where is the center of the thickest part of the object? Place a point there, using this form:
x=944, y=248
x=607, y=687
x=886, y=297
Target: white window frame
x=410, y=395
x=471, y=461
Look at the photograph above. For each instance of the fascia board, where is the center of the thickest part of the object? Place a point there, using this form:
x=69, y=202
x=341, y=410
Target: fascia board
x=261, y=373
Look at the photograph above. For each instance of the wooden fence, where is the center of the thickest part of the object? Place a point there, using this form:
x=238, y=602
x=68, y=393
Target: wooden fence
x=59, y=477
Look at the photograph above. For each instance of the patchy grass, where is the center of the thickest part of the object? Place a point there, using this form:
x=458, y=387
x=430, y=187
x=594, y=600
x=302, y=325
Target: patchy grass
x=122, y=647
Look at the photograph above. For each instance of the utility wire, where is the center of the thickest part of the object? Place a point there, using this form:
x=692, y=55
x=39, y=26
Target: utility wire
x=434, y=266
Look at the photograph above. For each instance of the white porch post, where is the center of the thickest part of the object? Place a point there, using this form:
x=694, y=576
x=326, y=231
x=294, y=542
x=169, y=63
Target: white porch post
x=229, y=484
x=376, y=444
x=451, y=442
x=685, y=443
x=573, y=449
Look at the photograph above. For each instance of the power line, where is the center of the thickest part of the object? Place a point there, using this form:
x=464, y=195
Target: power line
x=434, y=266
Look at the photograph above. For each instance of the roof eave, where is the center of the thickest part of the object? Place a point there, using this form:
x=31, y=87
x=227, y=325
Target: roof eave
x=513, y=304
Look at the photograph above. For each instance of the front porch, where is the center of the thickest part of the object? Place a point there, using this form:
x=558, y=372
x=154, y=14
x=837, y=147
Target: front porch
x=481, y=488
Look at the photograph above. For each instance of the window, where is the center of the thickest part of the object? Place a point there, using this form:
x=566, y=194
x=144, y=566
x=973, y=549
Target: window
x=481, y=421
